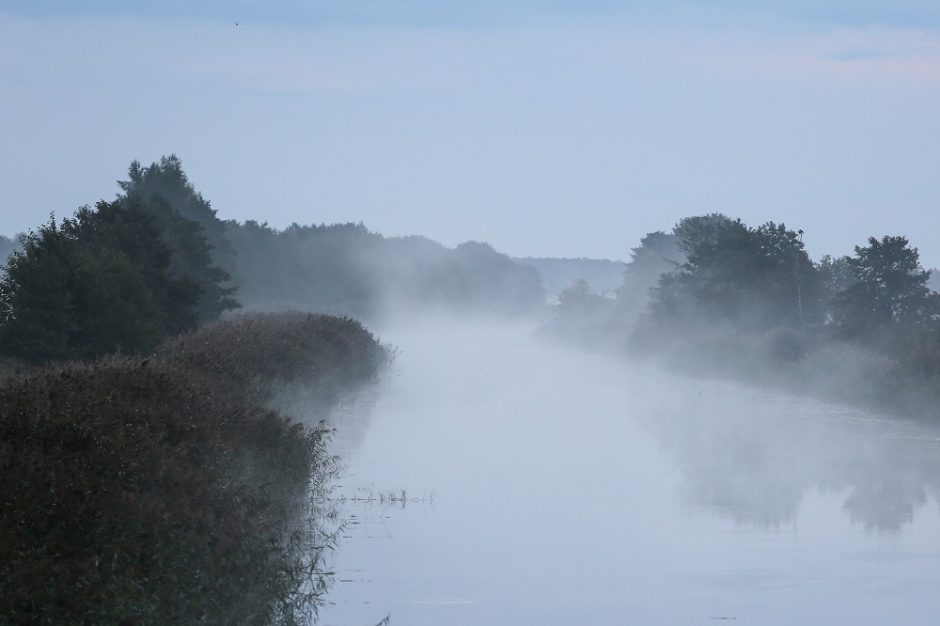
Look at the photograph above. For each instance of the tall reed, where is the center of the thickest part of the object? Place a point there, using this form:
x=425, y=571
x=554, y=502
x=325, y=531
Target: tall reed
x=162, y=490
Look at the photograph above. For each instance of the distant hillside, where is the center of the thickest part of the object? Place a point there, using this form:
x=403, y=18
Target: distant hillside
x=602, y=275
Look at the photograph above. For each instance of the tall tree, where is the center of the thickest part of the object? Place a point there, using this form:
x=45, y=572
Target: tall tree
x=96, y=284
x=37, y=314
x=196, y=238
x=891, y=288
x=754, y=277
x=657, y=254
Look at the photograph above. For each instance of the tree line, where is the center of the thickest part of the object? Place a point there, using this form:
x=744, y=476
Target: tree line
x=716, y=290
x=762, y=278
x=123, y=275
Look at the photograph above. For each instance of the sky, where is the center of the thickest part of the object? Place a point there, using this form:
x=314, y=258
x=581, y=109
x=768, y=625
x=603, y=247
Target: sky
x=554, y=128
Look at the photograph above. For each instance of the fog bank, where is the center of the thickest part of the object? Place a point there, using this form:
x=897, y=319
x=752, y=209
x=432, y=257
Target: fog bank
x=571, y=487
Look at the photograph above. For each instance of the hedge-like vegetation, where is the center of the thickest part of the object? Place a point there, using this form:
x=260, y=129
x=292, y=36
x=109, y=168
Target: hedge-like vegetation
x=162, y=490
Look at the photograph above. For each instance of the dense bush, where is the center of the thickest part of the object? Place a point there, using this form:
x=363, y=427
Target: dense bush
x=257, y=350
x=162, y=490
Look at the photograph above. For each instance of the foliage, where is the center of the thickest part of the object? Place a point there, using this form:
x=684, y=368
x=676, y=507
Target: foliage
x=658, y=253
x=756, y=278
x=161, y=491
x=121, y=277
x=249, y=350
x=749, y=303
x=890, y=288
x=313, y=267
x=346, y=269
x=578, y=298
x=118, y=278
x=97, y=284
x=190, y=229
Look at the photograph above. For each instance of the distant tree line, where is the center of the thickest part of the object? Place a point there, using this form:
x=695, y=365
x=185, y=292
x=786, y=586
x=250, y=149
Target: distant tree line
x=761, y=278
x=716, y=277
x=123, y=275
x=346, y=269
x=602, y=275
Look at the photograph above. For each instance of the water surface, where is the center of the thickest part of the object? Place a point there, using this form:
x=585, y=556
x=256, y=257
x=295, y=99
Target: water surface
x=550, y=486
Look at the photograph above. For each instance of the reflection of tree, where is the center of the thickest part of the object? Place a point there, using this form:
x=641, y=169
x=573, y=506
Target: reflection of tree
x=773, y=504
x=885, y=503
x=740, y=464
x=887, y=476
x=753, y=465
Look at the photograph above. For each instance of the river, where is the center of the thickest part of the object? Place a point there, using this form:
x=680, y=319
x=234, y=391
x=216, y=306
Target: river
x=545, y=485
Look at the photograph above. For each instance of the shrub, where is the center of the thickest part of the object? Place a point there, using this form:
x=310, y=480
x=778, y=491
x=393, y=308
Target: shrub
x=161, y=490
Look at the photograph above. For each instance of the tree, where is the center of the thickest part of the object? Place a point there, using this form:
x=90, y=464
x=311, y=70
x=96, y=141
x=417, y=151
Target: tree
x=196, y=238
x=700, y=230
x=96, y=284
x=578, y=299
x=7, y=246
x=657, y=254
x=791, y=277
x=890, y=288
x=835, y=276
x=756, y=278
x=37, y=316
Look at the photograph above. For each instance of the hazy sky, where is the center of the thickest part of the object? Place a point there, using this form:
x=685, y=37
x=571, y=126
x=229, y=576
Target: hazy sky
x=555, y=128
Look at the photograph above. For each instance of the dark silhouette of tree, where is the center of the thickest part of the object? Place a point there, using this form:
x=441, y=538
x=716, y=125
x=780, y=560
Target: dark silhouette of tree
x=98, y=283
x=756, y=278
x=835, y=276
x=347, y=269
x=890, y=288
x=196, y=238
x=491, y=279
x=37, y=317
x=578, y=299
x=700, y=230
x=657, y=254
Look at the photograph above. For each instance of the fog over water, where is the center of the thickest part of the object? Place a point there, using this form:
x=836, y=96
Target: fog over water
x=547, y=485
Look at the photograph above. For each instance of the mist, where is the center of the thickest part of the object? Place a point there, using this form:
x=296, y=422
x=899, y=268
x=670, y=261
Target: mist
x=718, y=428
x=549, y=484
x=490, y=313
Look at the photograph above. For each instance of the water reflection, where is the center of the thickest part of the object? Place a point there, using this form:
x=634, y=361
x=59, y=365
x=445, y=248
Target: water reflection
x=756, y=466
x=572, y=488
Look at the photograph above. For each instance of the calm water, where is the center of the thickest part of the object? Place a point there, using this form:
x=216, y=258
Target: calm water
x=548, y=486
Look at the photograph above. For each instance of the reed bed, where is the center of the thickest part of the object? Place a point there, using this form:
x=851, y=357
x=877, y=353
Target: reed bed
x=163, y=490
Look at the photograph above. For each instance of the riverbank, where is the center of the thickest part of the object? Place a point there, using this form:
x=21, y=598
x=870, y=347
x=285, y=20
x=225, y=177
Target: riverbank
x=163, y=490
x=812, y=363
x=808, y=364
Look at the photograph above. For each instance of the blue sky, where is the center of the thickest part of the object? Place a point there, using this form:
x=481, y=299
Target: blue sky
x=547, y=128
x=918, y=13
